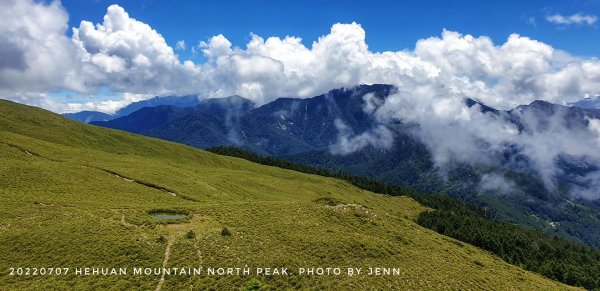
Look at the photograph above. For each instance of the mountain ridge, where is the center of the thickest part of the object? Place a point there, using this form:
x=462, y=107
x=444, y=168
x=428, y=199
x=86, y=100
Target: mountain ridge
x=303, y=130
x=106, y=221
x=89, y=116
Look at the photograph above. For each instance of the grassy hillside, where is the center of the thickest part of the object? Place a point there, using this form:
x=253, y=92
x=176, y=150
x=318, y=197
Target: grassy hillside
x=553, y=257
x=74, y=195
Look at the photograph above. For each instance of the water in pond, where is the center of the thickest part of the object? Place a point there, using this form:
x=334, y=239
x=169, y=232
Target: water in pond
x=167, y=216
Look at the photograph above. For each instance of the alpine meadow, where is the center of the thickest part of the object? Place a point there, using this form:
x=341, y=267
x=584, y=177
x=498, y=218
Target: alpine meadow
x=299, y=145
x=77, y=195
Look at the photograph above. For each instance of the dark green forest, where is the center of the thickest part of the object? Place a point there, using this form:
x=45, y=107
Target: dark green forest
x=557, y=258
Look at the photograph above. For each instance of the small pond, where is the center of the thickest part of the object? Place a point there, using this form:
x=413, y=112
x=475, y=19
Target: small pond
x=167, y=216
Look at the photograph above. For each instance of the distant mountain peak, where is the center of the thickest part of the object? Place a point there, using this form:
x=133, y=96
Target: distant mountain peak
x=179, y=101
x=587, y=103
x=89, y=116
x=383, y=90
x=483, y=108
x=542, y=104
x=233, y=99
x=226, y=104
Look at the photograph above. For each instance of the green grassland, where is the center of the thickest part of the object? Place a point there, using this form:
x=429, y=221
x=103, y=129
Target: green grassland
x=76, y=195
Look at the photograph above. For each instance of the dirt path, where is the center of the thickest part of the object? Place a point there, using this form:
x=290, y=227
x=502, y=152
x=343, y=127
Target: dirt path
x=127, y=179
x=125, y=223
x=164, y=265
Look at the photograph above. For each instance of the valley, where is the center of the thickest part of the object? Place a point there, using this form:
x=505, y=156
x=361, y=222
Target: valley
x=299, y=145
x=505, y=180
x=58, y=204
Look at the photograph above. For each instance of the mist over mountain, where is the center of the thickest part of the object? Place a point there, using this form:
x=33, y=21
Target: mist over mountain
x=536, y=164
x=587, y=103
x=447, y=146
x=284, y=126
x=94, y=116
x=146, y=201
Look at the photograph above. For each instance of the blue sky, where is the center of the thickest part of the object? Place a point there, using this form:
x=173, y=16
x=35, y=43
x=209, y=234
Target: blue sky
x=390, y=25
x=133, y=55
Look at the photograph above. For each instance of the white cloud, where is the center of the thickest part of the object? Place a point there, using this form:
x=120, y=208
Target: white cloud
x=35, y=54
x=128, y=56
x=180, y=45
x=572, y=19
x=531, y=21
x=349, y=142
x=107, y=106
x=217, y=46
x=497, y=184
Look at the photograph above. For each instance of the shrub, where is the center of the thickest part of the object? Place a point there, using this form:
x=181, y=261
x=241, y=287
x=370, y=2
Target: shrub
x=328, y=201
x=225, y=232
x=255, y=284
x=190, y=234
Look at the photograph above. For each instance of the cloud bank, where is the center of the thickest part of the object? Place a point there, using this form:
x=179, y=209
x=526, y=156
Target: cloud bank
x=128, y=56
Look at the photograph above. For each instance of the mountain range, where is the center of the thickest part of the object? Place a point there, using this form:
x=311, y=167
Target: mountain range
x=90, y=198
x=92, y=116
x=89, y=116
x=307, y=130
x=588, y=103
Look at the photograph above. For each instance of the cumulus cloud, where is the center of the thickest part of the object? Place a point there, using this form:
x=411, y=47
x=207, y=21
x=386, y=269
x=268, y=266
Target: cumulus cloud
x=35, y=54
x=128, y=56
x=577, y=18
